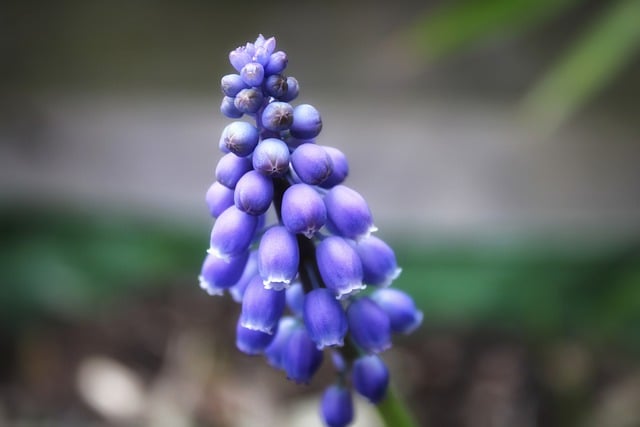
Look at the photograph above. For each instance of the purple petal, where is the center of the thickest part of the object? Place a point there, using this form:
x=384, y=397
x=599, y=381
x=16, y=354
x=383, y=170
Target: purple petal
x=278, y=257
x=261, y=307
x=339, y=266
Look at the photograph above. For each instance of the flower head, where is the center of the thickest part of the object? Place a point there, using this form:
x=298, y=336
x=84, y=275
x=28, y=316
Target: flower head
x=298, y=279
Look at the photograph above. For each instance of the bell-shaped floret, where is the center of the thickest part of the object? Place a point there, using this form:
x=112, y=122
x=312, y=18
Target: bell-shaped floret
x=324, y=318
x=218, y=274
x=303, y=210
x=348, y=213
x=278, y=257
x=336, y=406
x=250, y=341
x=275, y=351
x=301, y=358
x=370, y=377
x=232, y=233
x=261, y=307
x=339, y=266
x=369, y=325
x=400, y=308
x=379, y=263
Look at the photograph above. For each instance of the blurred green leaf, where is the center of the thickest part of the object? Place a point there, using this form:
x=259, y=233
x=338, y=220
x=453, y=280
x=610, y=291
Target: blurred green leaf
x=459, y=25
x=72, y=263
x=544, y=290
x=596, y=58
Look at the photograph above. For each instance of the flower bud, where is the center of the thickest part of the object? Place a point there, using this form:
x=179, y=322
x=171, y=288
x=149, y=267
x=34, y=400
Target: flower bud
x=275, y=351
x=370, y=377
x=239, y=58
x=303, y=210
x=340, y=169
x=261, y=308
x=403, y=315
x=339, y=266
x=301, y=359
x=369, y=325
x=232, y=233
x=278, y=258
x=239, y=138
x=378, y=261
x=252, y=342
x=324, y=318
x=231, y=84
x=253, y=193
x=348, y=214
x=252, y=74
x=311, y=163
x=277, y=116
x=249, y=100
x=228, y=109
x=218, y=198
x=271, y=157
x=218, y=274
x=230, y=169
x=277, y=63
x=306, y=121
x=276, y=86
x=336, y=406
x=293, y=88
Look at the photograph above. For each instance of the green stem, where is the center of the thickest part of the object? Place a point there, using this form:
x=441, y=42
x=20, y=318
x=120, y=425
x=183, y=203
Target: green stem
x=394, y=411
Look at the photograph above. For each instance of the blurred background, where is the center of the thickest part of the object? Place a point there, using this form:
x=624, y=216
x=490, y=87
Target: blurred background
x=497, y=143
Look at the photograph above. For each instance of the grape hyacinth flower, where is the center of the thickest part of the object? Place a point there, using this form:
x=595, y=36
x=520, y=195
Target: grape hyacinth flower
x=302, y=279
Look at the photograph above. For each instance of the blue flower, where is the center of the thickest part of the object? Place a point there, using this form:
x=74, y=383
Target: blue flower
x=232, y=233
x=278, y=257
x=250, y=341
x=218, y=274
x=324, y=318
x=370, y=377
x=403, y=315
x=261, y=308
x=301, y=358
x=339, y=266
x=275, y=351
x=336, y=406
x=379, y=264
x=275, y=160
x=303, y=210
x=369, y=325
x=348, y=213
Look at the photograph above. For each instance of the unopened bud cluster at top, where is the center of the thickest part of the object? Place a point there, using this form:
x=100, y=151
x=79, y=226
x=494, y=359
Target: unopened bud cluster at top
x=299, y=280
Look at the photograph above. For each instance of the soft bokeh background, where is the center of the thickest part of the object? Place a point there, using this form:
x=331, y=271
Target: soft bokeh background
x=497, y=143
